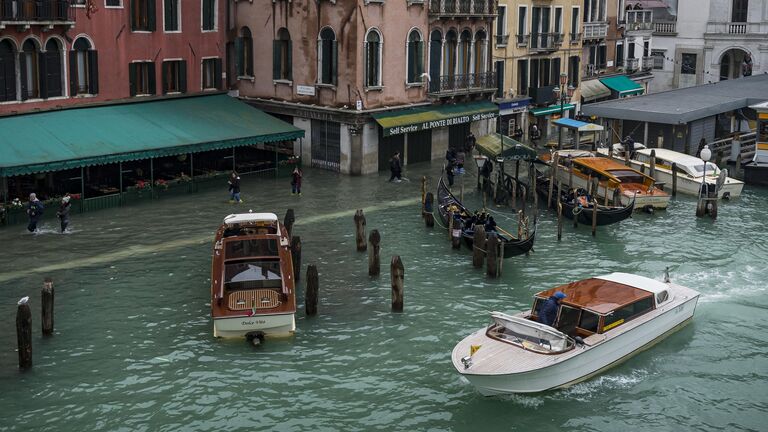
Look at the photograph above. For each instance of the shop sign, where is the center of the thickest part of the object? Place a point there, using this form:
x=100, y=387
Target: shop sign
x=397, y=130
x=305, y=90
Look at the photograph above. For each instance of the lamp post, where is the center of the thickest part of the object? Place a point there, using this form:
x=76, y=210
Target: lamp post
x=706, y=154
x=562, y=96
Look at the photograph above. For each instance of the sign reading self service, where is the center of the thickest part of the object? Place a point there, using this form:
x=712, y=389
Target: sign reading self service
x=432, y=124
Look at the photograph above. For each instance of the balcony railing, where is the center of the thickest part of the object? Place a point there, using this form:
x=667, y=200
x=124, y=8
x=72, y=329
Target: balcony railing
x=462, y=8
x=633, y=64
x=464, y=83
x=595, y=30
x=665, y=28
x=502, y=40
x=522, y=39
x=575, y=38
x=648, y=63
x=26, y=11
x=639, y=20
x=736, y=28
x=544, y=41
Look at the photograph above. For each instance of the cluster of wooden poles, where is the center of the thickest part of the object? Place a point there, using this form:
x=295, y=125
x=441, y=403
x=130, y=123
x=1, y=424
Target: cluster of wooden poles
x=24, y=323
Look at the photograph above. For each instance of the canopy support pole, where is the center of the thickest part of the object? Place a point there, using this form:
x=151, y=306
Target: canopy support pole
x=120, y=168
x=645, y=135
x=276, y=161
x=233, y=160
x=4, y=189
x=192, y=171
x=82, y=189
x=152, y=175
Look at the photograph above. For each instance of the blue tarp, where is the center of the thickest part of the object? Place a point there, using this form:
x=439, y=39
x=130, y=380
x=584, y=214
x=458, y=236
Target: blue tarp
x=578, y=125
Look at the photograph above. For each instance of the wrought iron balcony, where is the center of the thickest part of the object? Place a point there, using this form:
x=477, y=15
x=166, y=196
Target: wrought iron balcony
x=633, y=64
x=544, y=42
x=575, y=38
x=27, y=12
x=639, y=20
x=665, y=28
x=502, y=40
x=648, y=63
x=462, y=8
x=522, y=39
x=595, y=30
x=463, y=84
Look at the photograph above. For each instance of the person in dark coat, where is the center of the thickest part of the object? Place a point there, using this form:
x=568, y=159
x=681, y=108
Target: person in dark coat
x=449, y=173
x=296, y=181
x=234, y=187
x=63, y=213
x=469, y=143
x=548, y=310
x=395, y=167
x=34, y=211
x=450, y=155
x=490, y=224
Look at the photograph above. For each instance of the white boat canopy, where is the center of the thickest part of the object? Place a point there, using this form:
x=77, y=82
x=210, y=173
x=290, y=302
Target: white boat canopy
x=250, y=217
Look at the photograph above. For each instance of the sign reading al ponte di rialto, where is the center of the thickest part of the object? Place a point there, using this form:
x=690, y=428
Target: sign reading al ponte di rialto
x=432, y=124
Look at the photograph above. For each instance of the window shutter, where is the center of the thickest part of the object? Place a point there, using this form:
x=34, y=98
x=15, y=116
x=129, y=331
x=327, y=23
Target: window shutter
x=132, y=77
x=411, y=62
x=183, y=76
x=367, y=82
x=289, y=61
x=72, y=73
x=376, y=61
x=42, y=76
x=419, y=60
x=334, y=62
x=93, y=72
x=168, y=15
x=152, y=80
x=217, y=73
x=239, y=56
x=23, y=73
x=275, y=59
x=150, y=15
x=134, y=24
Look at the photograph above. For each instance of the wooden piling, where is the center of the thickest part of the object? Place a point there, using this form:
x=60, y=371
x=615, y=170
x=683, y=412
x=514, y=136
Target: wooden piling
x=312, y=290
x=296, y=257
x=423, y=194
x=570, y=177
x=492, y=256
x=626, y=156
x=514, y=194
x=674, y=179
x=429, y=217
x=559, y=221
x=553, y=175
x=594, y=217
x=360, y=231
x=652, y=167
x=288, y=221
x=397, y=273
x=46, y=300
x=24, y=333
x=595, y=187
x=455, y=233
x=478, y=247
x=374, y=263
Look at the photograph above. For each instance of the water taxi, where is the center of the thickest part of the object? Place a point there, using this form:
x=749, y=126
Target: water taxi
x=252, y=284
x=616, y=181
x=690, y=170
x=756, y=170
x=600, y=322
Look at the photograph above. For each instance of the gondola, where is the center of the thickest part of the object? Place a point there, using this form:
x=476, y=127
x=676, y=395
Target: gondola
x=606, y=215
x=510, y=245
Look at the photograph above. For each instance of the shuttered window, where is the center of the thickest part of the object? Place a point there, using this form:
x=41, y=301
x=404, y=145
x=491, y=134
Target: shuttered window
x=328, y=57
x=171, y=15
x=211, y=74
x=143, y=15
x=7, y=72
x=83, y=69
x=281, y=56
x=29, y=68
x=373, y=59
x=522, y=77
x=51, y=70
x=174, y=76
x=244, y=53
x=209, y=15
x=142, y=78
x=415, y=57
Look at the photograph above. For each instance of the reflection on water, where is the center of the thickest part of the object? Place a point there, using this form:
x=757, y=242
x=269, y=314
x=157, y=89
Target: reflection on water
x=133, y=348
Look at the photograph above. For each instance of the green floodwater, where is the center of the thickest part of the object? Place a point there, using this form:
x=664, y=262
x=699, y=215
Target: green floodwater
x=133, y=347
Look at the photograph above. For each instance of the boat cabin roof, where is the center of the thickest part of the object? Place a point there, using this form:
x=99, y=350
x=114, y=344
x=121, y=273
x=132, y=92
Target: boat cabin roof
x=673, y=156
x=244, y=218
x=604, y=294
x=605, y=166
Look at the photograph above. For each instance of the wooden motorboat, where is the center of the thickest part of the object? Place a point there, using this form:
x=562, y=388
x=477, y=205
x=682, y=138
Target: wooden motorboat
x=511, y=245
x=252, y=283
x=575, y=206
x=616, y=181
x=690, y=170
x=601, y=322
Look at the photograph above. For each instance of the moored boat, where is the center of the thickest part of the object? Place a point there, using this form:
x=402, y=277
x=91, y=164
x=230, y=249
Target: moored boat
x=577, y=205
x=600, y=322
x=756, y=170
x=252, y=285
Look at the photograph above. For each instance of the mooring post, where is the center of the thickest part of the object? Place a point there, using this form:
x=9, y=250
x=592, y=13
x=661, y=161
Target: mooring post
x=594, y=217
x=398, y=275
x=296, y=257
x=570, y=176
x=478, y=247
x=450, y=225
x=492, y=256
x=46, y=300
x=560, y=221
x=674, y=179
x=374, y=263
x=288, y=221
x=429, y=217
x=313, y=288
x=514, y=194
x=652, y=167
x=559, y=191
x=626, y=156
x=24, y=333
x=360, y=231
x=456, y=231
x=423, y=194
x=553, y=176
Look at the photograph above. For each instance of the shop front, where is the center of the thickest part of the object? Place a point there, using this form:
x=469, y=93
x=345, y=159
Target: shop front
x=513, y=117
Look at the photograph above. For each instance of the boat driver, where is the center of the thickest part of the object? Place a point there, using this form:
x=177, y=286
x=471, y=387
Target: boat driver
x=548, y=310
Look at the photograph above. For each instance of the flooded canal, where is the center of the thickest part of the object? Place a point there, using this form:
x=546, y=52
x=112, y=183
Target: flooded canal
x=133, y=347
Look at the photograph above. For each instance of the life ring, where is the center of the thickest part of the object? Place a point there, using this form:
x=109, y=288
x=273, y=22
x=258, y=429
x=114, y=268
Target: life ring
x=576, y=210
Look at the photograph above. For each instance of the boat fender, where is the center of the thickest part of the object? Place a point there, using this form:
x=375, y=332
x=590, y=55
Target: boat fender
x=255, y=337
x=579, y=341
x=648, y=209
x=576, y=210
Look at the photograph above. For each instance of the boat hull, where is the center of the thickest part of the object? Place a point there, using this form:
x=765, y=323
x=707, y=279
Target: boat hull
x=589, y=362
x=690, y=186
x=756, y=174
x=274, y=325
x=642, y=199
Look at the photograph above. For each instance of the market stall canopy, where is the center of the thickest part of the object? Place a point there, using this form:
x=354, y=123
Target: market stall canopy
x=594, y=89
x=551, y=109
x=433, y=116
x=577, y=125
x=491, y=146
x=97, y=135
x=622, y=85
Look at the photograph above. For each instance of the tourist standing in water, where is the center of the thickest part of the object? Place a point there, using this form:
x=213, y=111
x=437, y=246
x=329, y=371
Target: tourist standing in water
x=234, y=187
x=34, y=211
x=63, y=213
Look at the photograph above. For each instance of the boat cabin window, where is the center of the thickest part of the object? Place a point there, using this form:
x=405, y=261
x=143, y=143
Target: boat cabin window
x=661, y=297
x=252, y=274
x=627, y=176
x=568, y=319
x=537, y=302
x=251, y=248
x=589, y=321
x=711, y=169
x=627, y=313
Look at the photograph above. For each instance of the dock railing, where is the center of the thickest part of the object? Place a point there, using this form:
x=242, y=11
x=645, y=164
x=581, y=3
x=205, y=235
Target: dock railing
x=724, y=147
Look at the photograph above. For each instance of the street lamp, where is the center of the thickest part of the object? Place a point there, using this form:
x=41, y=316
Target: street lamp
x=562, y=96
x=706, y=154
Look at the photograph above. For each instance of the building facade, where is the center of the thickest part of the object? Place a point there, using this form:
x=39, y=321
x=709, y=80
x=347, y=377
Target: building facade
x=59, y=53
x=337, y=68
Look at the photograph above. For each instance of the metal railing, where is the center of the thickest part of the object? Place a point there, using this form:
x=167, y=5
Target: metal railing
x=543, y=41
x=633, y=64
x=575, y=38
x=502, y=39
x=464, y=83
x=638, y=20
x=36, y=10
x=648, y=63
x=724, y=146
x=522, y=39
x=449, y=8
x=665, y=27
x=595, y=30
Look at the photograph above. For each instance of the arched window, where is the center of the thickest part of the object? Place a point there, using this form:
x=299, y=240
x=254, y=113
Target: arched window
x=435, y=59
x=449, y=53
x=7, y=71
x=83, y=68
x=244, y=50
x=29, y=63
x=415, y=56
x=51, y=69
x=373, y=59
x=464, y=52
x=327, y=57
x=281, y=56
x=481, y=52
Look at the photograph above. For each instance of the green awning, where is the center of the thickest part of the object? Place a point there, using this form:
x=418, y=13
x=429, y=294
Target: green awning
x=433, y=116
x=491, y=146
x=622, y=85
x=72, y=138
x=551, y=109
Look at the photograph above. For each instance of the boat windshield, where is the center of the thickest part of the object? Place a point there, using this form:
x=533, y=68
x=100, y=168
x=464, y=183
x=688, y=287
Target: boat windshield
x=528, y=335
x=712, y=169
x=251, y=248
x=628, y=176
x=252, y=274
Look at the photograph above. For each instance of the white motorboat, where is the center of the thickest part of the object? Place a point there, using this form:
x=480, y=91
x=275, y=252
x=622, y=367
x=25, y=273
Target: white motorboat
x=690, y=170
x=601, y=322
